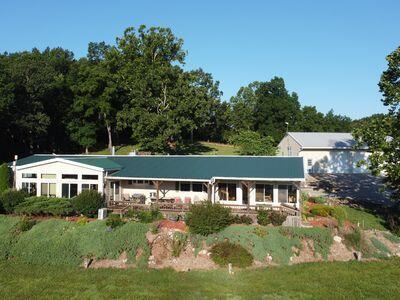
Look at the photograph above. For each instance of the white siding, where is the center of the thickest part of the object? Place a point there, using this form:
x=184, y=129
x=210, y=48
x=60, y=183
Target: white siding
x=333, y=161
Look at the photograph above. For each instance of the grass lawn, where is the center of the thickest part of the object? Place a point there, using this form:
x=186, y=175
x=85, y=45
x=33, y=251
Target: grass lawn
x=205, y=148
x=351, y=280
x=366, y=219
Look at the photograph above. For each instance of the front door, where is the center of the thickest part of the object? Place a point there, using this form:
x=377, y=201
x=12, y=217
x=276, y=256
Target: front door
x=245, y=195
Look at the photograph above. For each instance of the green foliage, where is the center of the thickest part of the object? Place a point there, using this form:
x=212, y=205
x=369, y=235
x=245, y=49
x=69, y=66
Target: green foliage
x=206, y=218
x=82, y=221
x=88, y=202
x=58, y=242
x=224, y=253
x=5, y=177
x=393, y=238
x=44, y=206
x=317, y=200
x=114, y=221
x=11, y=198
x=339, y=214
x=252, y=143
x=24, y=224
x=353, y=239
x=148, y=216
x=265, y=217
x=383, y=250
x=321, y=210
x=242, y=219
x=179, y=242
x=366, y=219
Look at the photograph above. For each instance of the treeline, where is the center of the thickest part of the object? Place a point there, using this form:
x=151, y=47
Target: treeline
x=135, y=92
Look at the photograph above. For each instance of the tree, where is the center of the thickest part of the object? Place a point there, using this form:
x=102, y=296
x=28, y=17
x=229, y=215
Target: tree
x=336, y=123
x=311, y=119
x=382, y=134
x=252, y=143
x=244, y=106
x=5, y=177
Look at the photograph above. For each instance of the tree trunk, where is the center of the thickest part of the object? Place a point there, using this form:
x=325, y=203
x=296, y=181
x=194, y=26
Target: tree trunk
x=110, y=144
x=86, y=150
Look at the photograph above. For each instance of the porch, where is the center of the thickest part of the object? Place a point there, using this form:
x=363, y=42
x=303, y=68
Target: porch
x=242, y=196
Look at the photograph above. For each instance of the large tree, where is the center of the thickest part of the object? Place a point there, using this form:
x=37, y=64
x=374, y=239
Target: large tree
x=382, y=133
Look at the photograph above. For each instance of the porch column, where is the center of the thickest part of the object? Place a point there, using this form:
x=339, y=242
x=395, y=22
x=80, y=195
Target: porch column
x=247, y=184
x=276, y=193
x=157, y=184
x=213, y=193
x=298, y=197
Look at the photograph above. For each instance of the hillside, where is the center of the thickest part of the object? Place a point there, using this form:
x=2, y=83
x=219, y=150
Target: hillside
x=201, y=148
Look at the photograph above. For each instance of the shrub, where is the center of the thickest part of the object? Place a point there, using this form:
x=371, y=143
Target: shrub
x=317, y=200
x=5, y=177
x=339, y=214
x=149, y=216
x=321, y=210
x=179, y=242
x=206, y=218
x=393, y=238
x=44, y=206
x=353, y=239
x=381, y=247
x=243, y=219
x=114, y=221
x=88, y=203
x=82, y=221
x=265, y=217
x=11, y=198
x=24, y=224
x=224, y=253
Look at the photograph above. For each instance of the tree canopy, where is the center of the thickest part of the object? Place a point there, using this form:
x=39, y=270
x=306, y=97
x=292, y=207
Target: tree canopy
x=137, y=91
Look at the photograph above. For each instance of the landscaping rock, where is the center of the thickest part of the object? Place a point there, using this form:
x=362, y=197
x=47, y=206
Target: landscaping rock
x=337, y=239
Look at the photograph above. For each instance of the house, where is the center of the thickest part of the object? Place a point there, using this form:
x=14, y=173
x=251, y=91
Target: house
x=325, y=152
x=229, y=180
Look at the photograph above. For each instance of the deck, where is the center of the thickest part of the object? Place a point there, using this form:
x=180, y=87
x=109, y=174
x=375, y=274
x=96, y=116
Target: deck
x=166, y=207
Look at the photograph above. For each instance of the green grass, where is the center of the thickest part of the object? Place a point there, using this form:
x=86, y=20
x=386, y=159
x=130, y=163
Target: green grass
x=366, y=219
x=329, y=280
x=204, y=148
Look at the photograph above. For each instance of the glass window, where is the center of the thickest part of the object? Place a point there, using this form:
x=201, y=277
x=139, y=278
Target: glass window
x=232, y=191
x=65, y=190
x=185, y=186
x=259, y=193
x=227, y=191
x=29, y=187
x=48, y=189
x=268, y=193
x=197, y=187
x=48, y=176
x=90, y=177
x=309, y=162
x=69, y=176
x=87, y=186
x=283, y=193
x=292, y=194
x=69, y=190
x=29, y=175
x=140, y=181
x=222, y=191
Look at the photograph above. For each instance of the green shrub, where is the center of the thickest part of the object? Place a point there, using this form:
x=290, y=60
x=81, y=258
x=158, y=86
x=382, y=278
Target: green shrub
x=265, y=217
x=179, y=242
x=224, y=253
x=242, y=219
x=321, y=210
x=339, y=214
x=260, y=231
x=383, y=250
x=206, y=218
x=11, y=198
x=393, y=238
x=5, y=177
x=24, y=224
x=114, y=221
x=82, y=221
x=353, y=239
x=88, y=203
x=317, y=200
x=149, y=216
x=44, y=206
x=7, y=235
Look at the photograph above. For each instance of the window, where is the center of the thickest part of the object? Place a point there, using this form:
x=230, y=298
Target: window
x=48, y=189
x=69, y=176
x=69, y=190
x=197, y=187
x=87, y=186
x=185, y=186
x=309, y=162
x=227, y=191
x=140, y=181
x=282, y=193
x=29, y=175
x=264, y=193
x=289, y=150
x=292, y=194
x=48, y=176
x=90, y=177
x=29, y=187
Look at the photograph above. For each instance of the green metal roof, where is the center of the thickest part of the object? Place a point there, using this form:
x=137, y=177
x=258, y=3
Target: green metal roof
x=188, y=167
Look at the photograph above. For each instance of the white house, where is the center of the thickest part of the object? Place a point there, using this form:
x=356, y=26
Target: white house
x=324, y=152
x=231, y=180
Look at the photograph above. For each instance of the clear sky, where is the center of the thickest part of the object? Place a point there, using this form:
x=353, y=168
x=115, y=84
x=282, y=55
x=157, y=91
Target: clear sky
x=330, y=52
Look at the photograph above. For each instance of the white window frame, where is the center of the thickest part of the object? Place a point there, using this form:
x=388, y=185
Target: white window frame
x=69, y=189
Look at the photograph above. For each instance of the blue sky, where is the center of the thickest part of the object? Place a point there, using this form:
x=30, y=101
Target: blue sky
x=330, y=53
